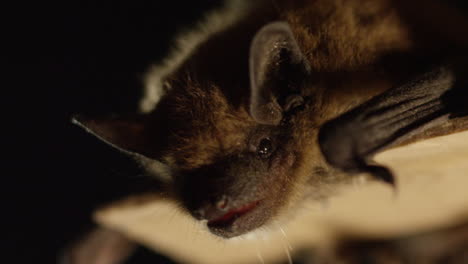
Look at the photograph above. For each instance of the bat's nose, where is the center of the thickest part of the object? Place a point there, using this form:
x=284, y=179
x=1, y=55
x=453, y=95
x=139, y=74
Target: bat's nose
x=212, y=209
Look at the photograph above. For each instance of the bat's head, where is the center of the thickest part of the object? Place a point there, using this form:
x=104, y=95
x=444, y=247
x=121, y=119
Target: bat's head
x=236, y=165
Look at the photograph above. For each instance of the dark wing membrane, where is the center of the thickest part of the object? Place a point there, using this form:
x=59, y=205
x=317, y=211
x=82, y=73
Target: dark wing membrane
x=434, y=103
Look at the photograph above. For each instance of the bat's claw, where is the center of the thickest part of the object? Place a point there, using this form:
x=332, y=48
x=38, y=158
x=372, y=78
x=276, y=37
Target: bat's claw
x=381, y=173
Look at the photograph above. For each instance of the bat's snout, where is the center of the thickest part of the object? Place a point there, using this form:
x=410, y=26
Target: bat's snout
x=228, y=217
x=231, y=202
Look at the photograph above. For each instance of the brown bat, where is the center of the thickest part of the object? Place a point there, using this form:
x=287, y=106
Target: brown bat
x=289, y=100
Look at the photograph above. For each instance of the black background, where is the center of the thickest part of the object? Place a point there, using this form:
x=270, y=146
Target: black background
x=66, y=58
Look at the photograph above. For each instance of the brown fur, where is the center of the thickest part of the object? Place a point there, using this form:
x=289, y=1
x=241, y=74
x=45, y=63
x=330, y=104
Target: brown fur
x=347, y=35
x=205, y=126
x=341, y=48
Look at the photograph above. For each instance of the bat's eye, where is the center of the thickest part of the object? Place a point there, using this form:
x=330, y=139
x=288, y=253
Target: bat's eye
x=265, y=147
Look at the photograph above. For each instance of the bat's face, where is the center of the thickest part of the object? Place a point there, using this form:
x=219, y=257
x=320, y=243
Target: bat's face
x=231, y=170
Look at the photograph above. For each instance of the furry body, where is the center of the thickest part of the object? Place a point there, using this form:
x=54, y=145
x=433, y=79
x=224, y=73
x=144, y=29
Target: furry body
x=233, y=124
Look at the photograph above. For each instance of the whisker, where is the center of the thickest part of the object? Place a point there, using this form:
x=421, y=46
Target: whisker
x=260, y=257
x=285, y=237
x=288, y=255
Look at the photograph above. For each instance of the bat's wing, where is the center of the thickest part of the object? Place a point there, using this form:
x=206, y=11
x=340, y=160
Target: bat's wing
x=452, y=125
x=434, y=103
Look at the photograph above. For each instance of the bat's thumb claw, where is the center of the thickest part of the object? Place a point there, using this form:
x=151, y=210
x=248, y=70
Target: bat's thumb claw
x=381, y=173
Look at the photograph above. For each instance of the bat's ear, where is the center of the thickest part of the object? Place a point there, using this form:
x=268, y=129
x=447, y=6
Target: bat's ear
x=132, y=135
x=277, y=67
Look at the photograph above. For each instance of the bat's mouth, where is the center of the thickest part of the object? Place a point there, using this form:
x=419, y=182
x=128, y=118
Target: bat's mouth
x=235, y=222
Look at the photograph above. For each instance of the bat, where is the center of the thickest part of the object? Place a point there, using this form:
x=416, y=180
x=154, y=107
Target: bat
x=290, y=99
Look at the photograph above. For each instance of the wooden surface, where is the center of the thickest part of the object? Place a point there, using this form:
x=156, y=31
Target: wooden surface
x=432, y=179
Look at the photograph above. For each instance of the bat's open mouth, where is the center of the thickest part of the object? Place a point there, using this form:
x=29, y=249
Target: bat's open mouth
x=228, y=224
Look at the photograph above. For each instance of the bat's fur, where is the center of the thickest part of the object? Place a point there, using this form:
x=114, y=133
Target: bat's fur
x=199, y=124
